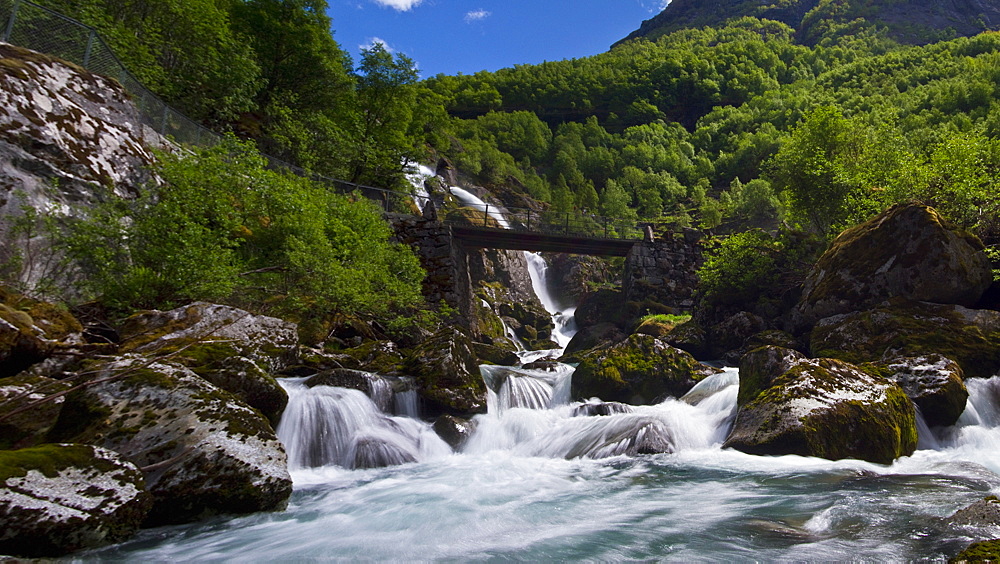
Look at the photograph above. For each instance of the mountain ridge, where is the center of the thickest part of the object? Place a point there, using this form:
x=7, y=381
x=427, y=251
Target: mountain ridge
x=907, y=21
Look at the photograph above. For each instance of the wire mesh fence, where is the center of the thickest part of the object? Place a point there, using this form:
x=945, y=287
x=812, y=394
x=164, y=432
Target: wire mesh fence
x=37, y=28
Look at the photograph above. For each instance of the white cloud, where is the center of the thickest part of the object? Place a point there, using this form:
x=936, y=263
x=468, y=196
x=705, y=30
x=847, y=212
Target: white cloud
x=401, y=5
x=654, y=6
x=477, y=15
x=371, y=43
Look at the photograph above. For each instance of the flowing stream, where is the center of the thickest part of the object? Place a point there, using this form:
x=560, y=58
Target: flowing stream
x=546, y=479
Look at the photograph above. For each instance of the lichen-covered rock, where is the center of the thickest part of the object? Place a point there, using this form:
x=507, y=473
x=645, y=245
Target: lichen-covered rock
x=760, y=367
x=65, y=127
x=57, y=499
x=933, y=382
x=970, y=337
x=202, y=450
x=829, y=409
x=231, y=348
x=982, y=513
x=25, y=418
x=267, y=341
x=448, y=377
x=639, y=370
x=908, y=251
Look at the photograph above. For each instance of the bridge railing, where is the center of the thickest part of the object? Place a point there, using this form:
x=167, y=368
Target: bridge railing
x=38, y=28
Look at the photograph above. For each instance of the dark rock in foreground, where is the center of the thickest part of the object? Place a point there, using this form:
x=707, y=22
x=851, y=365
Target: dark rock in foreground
x=58, y=499
x=202, y=450
x=25, y=394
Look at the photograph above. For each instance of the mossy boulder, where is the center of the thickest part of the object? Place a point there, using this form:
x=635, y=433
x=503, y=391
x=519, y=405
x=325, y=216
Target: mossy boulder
x=908, y=251
x=381, y=357
x=25, y=414
x=982, y=551
x=231, y=348
x=690, y=337
x=933, y=382
x=595, y=336
x=267, y=341
x=898, y=327
x=22, y=344
x=60, y=498
x=760, y=367
x=201, y=449
x=732, y=333
x=447, y=374
x=639, y=370
x=603, y=306
x=825, y=408
x=493, y=354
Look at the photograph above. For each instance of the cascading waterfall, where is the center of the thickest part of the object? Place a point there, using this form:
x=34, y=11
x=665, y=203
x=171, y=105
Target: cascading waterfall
x=324, y=425
x=543, y=478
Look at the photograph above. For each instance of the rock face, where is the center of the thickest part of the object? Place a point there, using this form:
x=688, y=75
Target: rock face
x=901, y=328
x=56, y=499
x=908, y=251
x=822, y=407
x=447, y=374
x=201, y=449
x=639, y=370
x=231, y=348
x=64, y=131
x=933, y=382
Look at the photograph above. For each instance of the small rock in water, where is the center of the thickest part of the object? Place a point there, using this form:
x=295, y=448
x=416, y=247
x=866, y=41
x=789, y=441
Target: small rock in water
x=601, y=408
x=454, y=430
x=371, y=452
x=547, y=364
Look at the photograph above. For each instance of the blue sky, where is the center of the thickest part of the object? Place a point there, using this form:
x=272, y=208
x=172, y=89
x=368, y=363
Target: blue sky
x=467, y=36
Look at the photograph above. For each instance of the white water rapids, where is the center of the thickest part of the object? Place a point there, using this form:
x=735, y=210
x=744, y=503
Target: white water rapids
x=544, y=479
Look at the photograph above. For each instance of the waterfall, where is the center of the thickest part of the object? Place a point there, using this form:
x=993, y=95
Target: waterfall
x=562, y=317
x=324, y=425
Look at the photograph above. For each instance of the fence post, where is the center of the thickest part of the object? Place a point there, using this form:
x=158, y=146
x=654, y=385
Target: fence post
x=163, y=121
x=529, y=219
x=566, y=229
x=90, y=46
x=605, y=228
x=10, y=23
x=486, y=216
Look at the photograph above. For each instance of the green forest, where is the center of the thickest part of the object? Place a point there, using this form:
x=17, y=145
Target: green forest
x=749, y=125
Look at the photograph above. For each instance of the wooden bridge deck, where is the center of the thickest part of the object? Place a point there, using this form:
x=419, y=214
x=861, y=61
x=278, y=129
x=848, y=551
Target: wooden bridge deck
x=512, y=239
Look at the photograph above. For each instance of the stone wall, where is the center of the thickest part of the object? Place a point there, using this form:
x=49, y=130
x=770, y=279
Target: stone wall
x=443, y=258
x=664, y=271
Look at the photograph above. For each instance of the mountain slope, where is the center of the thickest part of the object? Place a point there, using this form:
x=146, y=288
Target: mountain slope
x=908, y=21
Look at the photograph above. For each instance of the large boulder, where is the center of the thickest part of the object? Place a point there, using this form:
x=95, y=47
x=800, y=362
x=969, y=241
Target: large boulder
x=639, y=370
x=825, y=408
x=898, y=328
x=202, y=450
x=908, y=251
x=29, y=408
x=447, y=374
x=933, y=382
x=31, y=331
x=594, y=336
x=57, y=499
x=231, y=348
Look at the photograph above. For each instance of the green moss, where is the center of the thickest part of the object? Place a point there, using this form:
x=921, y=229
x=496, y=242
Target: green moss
x=641, y=369
x=910, y=329
x=49, y=459
x=982, y=551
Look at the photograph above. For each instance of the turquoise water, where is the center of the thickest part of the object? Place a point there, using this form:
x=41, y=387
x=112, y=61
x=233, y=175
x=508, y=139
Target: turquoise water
x=511, y=496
